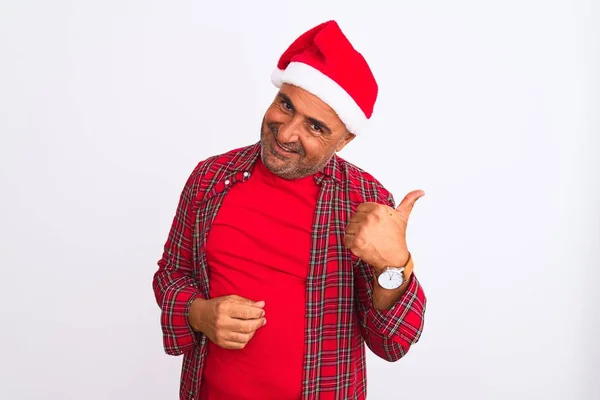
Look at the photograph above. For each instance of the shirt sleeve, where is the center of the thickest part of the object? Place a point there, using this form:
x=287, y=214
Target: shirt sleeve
x=389, y=333
x=174, y=285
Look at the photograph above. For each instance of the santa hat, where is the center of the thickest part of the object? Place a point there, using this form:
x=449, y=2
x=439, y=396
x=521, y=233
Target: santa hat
x=323, y=62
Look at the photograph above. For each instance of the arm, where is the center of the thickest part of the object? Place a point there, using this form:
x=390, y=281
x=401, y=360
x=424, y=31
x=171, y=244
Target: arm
x=389, y=333
x=390, y=320
x=174, y=285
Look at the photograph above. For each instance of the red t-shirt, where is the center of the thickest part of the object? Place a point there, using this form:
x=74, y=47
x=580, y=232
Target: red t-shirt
x=259, y=248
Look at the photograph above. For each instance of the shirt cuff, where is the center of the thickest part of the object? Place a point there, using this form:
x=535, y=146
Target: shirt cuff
x=404, y=317
x=178, y=334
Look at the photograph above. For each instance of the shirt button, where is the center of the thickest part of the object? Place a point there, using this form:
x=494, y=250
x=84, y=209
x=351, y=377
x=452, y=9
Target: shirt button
x=227, y=182
x=246, y=174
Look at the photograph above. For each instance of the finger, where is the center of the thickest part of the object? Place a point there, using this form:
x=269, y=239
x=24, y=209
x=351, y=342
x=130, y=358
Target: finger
x=249, y=326
x=353, y=228
x=360, y=216
x=367, y=207
x=349, y=240
x=238, y=337
x=242, y=300
x=372, y=209
x=251, y=334
x=246, y=312
x=407, y=204
x=233, y=345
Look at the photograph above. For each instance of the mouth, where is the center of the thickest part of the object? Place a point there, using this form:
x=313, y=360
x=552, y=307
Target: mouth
x=283, y=148
x=280, y=150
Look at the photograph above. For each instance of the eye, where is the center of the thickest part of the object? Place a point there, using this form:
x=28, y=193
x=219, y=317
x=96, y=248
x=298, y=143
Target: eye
x=286, y=106
x=316, y=128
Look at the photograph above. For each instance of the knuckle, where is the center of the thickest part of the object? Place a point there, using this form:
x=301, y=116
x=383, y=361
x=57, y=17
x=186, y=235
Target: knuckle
x=239, y=327
x=219, y=322
x=220, y=307
x=360, y=242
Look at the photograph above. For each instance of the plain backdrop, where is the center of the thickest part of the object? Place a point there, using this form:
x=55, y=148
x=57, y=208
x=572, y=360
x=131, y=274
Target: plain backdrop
x=491, y=107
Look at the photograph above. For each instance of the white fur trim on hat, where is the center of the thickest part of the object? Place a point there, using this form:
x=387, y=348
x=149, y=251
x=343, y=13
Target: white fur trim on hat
x=325, y=88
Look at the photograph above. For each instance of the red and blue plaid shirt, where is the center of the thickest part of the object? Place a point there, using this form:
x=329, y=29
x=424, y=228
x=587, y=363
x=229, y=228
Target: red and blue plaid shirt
x=340, y=317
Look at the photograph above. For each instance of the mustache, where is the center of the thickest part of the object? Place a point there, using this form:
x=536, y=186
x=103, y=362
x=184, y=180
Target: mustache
x=292, y=146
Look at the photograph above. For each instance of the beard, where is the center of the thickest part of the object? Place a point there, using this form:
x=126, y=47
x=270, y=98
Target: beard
x=297, y=166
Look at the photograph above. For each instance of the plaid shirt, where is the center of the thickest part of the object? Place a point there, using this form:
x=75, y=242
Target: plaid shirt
x=340, y=317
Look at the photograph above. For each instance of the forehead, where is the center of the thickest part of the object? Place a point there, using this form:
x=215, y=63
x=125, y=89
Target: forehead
x=309, y=104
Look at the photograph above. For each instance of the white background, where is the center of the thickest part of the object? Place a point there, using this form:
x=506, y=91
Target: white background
x=491, y=107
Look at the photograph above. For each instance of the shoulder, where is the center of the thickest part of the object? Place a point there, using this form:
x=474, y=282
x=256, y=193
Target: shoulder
x=214, y=167
x=363, y=185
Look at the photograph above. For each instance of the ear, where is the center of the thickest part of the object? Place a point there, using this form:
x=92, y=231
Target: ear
x=345, y=140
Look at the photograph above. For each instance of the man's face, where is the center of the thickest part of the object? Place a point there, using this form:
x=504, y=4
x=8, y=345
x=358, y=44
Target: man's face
x=300, y=134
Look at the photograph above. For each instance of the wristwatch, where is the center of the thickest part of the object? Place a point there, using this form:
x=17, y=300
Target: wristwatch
x=393, y=277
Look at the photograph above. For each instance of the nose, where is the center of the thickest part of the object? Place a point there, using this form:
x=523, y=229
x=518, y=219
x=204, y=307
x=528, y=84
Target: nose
x=289, y=132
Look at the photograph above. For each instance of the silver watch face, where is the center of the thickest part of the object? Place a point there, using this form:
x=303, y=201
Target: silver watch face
x=391, y=279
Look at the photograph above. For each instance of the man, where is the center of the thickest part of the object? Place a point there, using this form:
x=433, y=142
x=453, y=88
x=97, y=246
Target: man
x=285, y=231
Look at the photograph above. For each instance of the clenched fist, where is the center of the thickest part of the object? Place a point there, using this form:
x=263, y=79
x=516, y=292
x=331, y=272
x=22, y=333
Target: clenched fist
x=229, y=322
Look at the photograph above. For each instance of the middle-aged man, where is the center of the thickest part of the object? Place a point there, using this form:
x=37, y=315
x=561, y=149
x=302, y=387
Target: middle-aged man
x=286, y=231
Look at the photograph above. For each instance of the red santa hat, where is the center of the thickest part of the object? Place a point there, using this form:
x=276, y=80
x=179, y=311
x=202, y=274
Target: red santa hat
x=323, y=62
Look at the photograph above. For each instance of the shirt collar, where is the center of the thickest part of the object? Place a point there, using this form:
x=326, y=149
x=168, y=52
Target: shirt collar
x=245, y=160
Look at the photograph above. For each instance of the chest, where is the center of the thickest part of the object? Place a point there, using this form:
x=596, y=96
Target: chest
x=308, y=228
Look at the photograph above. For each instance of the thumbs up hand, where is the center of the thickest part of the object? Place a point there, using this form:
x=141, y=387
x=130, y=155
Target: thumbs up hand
x=376, y=233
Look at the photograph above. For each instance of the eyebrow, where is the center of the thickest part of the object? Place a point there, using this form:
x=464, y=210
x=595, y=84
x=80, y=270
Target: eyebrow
x=312, y=120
